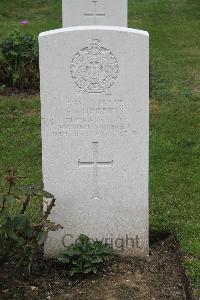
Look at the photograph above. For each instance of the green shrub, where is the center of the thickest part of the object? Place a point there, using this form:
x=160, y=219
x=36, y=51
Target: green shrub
x=19, y=61
x=20, y=238
x=85, y=256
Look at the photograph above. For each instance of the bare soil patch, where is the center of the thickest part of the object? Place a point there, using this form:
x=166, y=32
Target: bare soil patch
x=16, y=92
x=157, y=277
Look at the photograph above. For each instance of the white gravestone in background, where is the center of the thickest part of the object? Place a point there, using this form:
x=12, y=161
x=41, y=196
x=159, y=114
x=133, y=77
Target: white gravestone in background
x=95, y=12
x=95, y=134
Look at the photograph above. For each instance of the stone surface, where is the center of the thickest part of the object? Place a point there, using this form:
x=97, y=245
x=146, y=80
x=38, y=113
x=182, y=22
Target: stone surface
x=95, y=12
x=95, y=134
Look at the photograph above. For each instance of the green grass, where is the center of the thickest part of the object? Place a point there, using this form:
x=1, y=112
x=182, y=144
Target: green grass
x=42, y=15
x=20, y=145
x=174, y=28
x=174, y=177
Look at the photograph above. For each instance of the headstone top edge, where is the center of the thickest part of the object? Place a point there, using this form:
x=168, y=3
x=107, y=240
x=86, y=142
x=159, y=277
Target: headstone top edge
x=85, y=28
x=95, y=12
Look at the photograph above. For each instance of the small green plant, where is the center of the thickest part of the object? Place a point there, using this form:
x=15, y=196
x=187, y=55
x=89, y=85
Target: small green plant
x=21, y=238
x=19, y=61
x=85, y=256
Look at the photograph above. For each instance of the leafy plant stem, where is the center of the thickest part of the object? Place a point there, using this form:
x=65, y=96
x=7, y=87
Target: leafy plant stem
x=49, y=208
x=25, y=204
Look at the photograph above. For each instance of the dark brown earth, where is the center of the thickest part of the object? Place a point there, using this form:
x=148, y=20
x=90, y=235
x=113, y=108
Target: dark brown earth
x=15, y=92
x=158, y=277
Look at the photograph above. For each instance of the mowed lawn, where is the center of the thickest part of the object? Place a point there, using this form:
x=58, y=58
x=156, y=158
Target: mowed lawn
x=174, y=28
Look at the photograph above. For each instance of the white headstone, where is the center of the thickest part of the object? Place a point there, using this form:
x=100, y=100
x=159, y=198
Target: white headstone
x=95, y=12
x=95, y=134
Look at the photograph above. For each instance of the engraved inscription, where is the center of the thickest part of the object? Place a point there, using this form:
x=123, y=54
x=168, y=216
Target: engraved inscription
x=94, y=14
x=97, y=118
x=95, y=163
x=94, y=69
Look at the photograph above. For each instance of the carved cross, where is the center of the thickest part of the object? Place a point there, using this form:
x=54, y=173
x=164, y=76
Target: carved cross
x=94, y=14
x=95, y=163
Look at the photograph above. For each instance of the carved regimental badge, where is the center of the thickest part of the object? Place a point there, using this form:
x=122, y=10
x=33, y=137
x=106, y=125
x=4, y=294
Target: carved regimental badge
x=94, y=69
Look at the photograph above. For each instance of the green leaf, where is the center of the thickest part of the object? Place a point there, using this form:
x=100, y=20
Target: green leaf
x=28, y=191
x=73, y=251
x=21, y=222
x=85, y=255
x=42, y=237
x=97, y=260
x=13, y=235
x=21, y=241
x=63, y=259
x=73, y=271
x=2, y=221
x=94, y=270
x=87, y=270
x=52, y=226
x=1, y=199
x=10, y=199
x=47, y=194
x=37, y=187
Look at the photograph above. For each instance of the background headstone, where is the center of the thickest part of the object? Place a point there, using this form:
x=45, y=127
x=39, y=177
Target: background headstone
x=95, y=134
x=95, y=12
